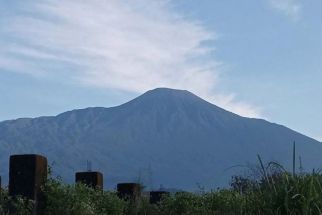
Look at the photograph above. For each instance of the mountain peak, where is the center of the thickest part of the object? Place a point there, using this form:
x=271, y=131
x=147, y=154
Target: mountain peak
x=166, y=97
x=173, y=134
x=162, y=91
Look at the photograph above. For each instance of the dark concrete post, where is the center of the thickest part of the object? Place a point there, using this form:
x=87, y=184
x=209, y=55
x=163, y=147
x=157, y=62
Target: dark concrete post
x=27, y=174
x=91, y=179
x=156, y=196
x=129, y=191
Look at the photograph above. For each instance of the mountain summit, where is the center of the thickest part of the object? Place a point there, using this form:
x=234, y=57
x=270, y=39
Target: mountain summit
x=165, y=136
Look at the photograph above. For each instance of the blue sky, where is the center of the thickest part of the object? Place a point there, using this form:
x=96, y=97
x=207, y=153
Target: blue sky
x=258, y=58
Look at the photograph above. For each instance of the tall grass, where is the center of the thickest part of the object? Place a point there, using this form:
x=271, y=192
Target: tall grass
x=274, y=192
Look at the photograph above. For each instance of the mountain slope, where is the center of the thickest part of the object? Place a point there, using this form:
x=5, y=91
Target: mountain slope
x=165, y=136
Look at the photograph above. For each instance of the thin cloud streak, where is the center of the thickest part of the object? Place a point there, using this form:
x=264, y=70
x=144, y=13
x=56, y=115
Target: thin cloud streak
x=318, y=138
x=125, y=45
x=290, y=8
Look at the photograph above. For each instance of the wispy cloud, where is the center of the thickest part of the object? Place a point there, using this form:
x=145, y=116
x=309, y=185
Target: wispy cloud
x=318, y=138
x=126, y=45
x=290, y=8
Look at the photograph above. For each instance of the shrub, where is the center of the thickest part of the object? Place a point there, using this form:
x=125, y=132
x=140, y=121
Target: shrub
x=14, y=205
x=275, y=192
x=79, y=199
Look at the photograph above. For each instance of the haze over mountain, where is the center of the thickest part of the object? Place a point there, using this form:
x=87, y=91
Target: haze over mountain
x=165, y=136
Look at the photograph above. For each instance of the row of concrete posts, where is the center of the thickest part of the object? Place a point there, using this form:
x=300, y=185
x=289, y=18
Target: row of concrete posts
x=28, y=173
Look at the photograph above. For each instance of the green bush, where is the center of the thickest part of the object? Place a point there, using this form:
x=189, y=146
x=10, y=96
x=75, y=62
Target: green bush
x=275, y=192
x=79, y=199
x=14, y=206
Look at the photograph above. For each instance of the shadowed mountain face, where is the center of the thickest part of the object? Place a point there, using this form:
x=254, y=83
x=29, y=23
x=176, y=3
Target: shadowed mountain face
x=165, y=136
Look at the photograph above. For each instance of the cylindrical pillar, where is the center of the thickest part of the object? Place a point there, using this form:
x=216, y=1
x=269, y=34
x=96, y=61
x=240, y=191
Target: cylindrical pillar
x=156, y=196
x=129, y=191
x=91, y=179
x=27, y=174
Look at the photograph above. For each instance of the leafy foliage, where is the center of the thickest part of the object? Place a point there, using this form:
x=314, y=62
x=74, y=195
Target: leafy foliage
x=79, y=199
x=275, y=192
x=14, y=206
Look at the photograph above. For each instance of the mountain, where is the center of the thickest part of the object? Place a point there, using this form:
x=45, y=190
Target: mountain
x=165, y=136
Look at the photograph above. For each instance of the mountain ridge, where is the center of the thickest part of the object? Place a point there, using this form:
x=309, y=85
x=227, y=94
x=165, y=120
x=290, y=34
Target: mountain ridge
x=174, y=134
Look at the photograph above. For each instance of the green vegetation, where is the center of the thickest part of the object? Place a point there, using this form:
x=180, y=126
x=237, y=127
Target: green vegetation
x=79, y=199
x=273, y=192
x=16, y=206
